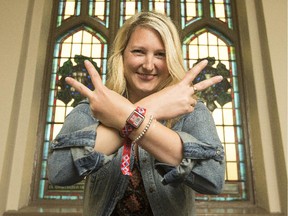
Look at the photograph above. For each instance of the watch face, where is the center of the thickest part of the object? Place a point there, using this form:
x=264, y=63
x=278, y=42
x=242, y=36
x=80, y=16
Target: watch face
x=135, y=119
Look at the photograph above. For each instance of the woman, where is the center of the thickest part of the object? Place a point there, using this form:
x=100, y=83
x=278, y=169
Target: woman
x=142, y=142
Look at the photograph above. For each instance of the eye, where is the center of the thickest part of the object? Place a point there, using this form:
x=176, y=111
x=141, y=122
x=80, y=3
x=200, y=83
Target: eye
x=137, y=52
x=161, y=55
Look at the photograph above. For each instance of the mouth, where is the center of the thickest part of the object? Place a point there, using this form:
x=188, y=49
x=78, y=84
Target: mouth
x=146, y=75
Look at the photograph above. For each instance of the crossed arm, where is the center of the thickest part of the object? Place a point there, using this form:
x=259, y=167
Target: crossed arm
x=112, y=110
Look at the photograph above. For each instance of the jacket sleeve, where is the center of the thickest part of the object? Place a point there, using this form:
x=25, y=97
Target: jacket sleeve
x=203, y=166
x=72, y=155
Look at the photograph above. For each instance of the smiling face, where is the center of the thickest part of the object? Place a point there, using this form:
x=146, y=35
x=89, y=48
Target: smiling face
x=144, y=61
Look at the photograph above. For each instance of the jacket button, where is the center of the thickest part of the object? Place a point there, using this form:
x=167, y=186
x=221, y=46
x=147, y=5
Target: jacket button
x=151, y=189
x=218, y=152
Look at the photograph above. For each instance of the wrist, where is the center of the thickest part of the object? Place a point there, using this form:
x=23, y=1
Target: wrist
x=134, y=121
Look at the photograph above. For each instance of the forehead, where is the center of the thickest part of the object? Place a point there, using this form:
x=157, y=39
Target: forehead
x=145, y=36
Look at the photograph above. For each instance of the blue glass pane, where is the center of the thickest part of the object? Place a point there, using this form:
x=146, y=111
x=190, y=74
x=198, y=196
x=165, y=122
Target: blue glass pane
x=241, y=153
x=236, y=100
x=43, y=170
x=45, y=150
x=47, y=132
x=240, y=136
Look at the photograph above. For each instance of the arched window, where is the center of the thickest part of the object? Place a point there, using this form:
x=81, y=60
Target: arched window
x=208, y=28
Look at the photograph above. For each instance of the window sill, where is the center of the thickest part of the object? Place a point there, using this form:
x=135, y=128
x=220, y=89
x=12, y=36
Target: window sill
x=77, y=211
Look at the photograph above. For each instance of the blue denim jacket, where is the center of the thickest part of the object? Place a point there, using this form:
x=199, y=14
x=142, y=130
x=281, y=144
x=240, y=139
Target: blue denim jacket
x=170, y=190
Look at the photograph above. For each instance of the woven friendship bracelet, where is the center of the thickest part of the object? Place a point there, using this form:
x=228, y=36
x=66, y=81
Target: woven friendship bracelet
x=135, y=119
x=144, y=131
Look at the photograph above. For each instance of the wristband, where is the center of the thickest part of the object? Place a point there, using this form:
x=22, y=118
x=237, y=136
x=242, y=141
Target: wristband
x=134, y=121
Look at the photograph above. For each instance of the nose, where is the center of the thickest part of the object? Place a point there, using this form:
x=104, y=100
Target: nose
x=148, y=63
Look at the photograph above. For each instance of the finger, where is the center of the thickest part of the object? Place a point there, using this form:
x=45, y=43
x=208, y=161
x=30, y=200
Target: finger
x=82, y=89
x=95, y=77
x=193, y=72
x=207, y=83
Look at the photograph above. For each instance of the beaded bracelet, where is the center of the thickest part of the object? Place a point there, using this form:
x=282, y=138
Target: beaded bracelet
x=144, y=131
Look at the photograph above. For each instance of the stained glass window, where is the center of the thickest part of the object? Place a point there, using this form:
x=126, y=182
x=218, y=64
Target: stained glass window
x=198, y=42
x=207, y=43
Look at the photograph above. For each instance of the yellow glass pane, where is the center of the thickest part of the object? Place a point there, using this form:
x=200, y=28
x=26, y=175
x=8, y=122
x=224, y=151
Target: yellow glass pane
x=66, y=50
x=203, y=52
x=56, y=130
x=77, y=37
x=68, y=40
x=213, y=51
x=87, y=37
x=59, y=102
x=228, y=105
x=232, y=171
x=229, y=134
x=202, y=39
x=69, y=8
x=95, y=40
x=226, y=63
x=160, y=7
x=219, y=1
x=130, y=8
x=220, y=133
x=76, y=49
x=221, y=43
x=193, y=51
x=69, y=109
x=100, y=9
x=86, y=50
x=59, y=114
x=194, y=42
x=212, y=39
x=192, y=62
x=219, y=10
x=228, y=117
x=190, y=10
x=230, y=151
x=62, y=60
x=217, y=116
x=96, y=50
x=223, y=53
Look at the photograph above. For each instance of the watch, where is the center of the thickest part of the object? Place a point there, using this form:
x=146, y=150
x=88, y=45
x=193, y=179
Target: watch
x=134, y=121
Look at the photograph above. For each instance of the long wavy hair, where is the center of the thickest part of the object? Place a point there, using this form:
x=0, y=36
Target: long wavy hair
x=170, y=37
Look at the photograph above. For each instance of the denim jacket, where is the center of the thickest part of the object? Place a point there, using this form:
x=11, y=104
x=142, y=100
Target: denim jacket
x=170, y=190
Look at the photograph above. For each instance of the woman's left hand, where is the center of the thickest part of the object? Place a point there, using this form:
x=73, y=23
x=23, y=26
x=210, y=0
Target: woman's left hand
x=178, y=99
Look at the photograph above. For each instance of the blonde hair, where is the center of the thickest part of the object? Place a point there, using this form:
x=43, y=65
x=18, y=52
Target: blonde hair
x=170, y=37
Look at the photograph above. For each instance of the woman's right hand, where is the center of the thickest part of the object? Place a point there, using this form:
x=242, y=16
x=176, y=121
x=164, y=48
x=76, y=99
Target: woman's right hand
x=178, y=99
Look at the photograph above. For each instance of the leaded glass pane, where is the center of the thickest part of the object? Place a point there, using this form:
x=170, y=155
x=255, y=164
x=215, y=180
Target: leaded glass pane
x=203, y=44
x=99, y=9
x=162, y=6
x=129, y=8
x=81, y=42
x=191, y=10
x=221, y=9
x=67, y=9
